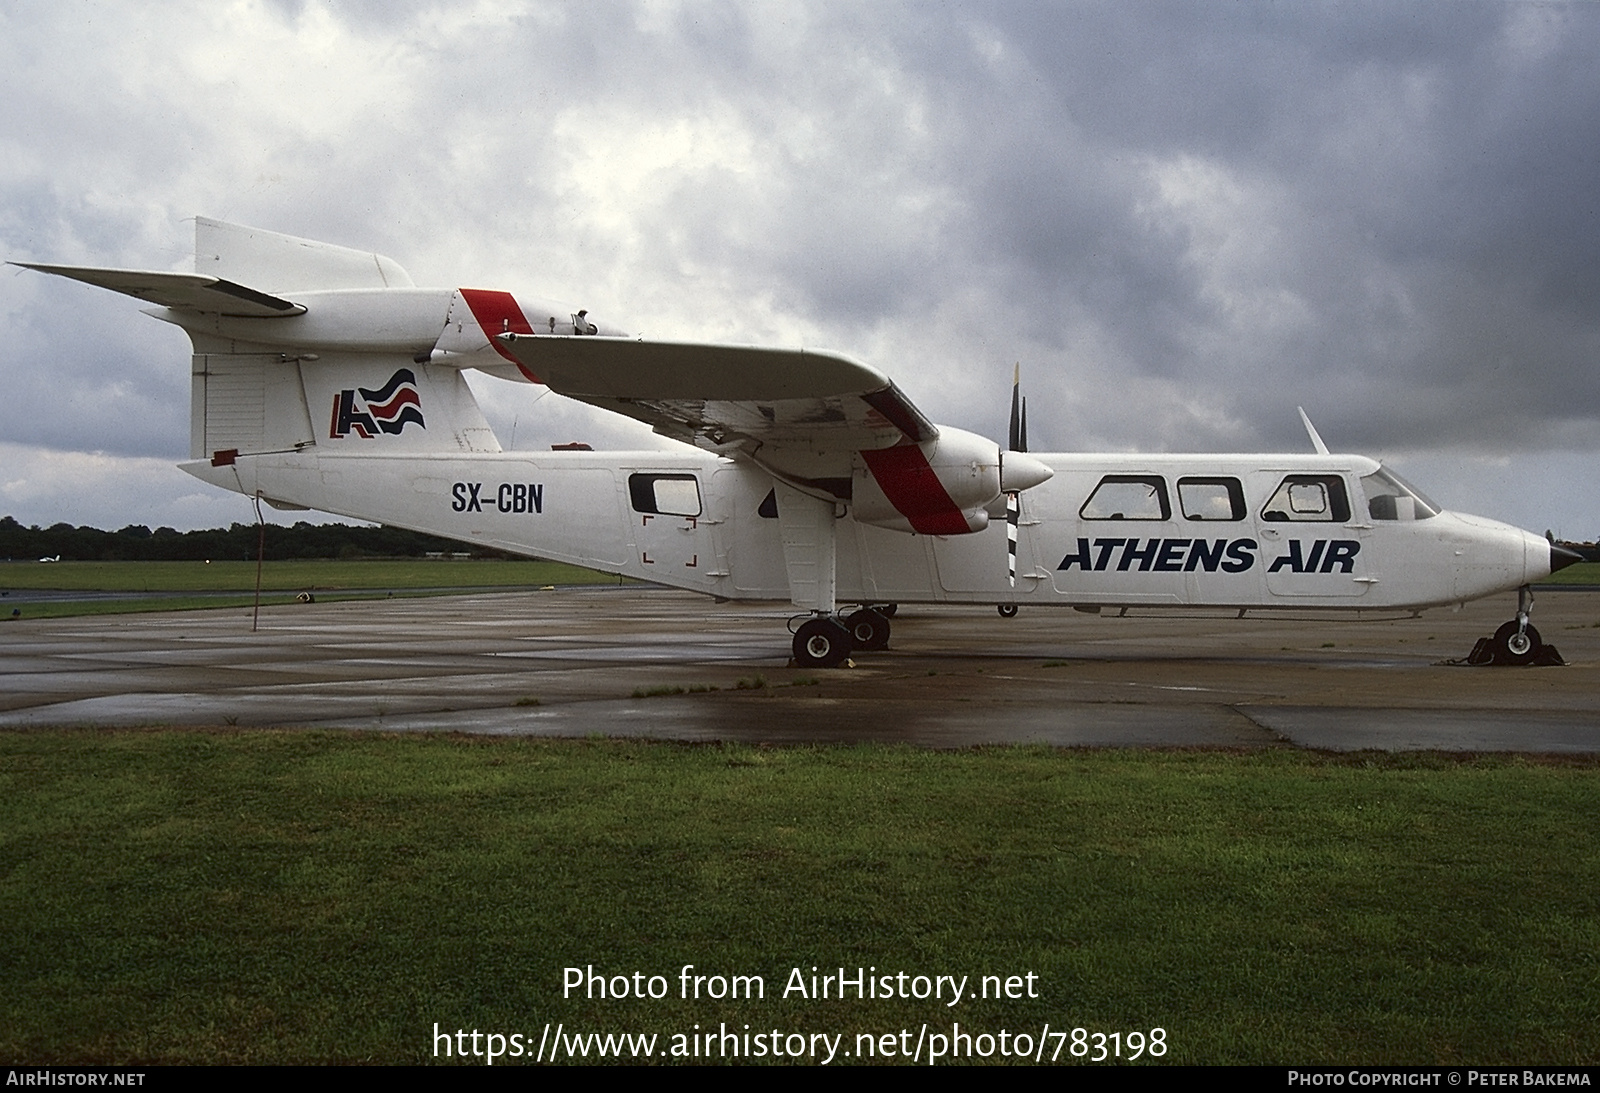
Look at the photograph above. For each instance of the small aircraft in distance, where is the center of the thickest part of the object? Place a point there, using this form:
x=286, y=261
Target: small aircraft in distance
x=322, y=378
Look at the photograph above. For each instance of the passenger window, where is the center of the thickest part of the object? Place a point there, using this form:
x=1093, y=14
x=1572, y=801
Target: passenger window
x=1211, y=498
x=1128, y=497
x=665, y=494
x=1309, y=498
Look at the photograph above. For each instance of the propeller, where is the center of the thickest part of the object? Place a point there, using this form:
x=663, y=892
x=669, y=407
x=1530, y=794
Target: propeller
x=1018, y=443
x=1018, y=471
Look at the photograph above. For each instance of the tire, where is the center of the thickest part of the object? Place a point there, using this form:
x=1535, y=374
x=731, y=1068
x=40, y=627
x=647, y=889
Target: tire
x=1511, y=647
x=821, y=643
x=1007, y=610
x=869, y=631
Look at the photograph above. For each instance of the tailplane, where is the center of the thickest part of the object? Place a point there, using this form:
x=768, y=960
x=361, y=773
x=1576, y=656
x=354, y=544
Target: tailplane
x=275, y=263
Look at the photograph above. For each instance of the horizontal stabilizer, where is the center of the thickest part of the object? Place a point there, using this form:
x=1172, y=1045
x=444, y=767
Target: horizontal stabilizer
x=189, y=291
x=287, y=263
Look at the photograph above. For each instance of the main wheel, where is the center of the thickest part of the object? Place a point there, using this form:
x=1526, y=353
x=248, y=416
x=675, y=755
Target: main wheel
x=1007, y=610
x=821, y=643
x=869, y=631
x=1511, y=647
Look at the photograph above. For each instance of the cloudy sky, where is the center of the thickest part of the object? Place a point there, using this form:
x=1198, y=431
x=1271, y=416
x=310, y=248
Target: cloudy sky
x=1183, y=219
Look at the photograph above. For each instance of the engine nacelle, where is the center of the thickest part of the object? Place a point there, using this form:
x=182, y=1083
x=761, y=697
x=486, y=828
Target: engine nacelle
x=942, y=486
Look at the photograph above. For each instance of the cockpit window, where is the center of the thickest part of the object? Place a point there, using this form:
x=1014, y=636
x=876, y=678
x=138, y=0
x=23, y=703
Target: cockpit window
x=1128, y=497
x=1390, y=497
x=1211, y=498
x=1309, y=498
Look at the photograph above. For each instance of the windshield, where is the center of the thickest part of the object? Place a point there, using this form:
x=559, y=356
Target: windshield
x=1390, y=497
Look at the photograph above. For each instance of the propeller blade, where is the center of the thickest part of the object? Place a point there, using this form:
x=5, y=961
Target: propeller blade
x=1018, y=471
x=1018, y=443
x=1013, y=513
x=1018, y=437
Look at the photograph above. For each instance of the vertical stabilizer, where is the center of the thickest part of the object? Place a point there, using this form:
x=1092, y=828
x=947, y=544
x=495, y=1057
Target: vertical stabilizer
x=270, y=262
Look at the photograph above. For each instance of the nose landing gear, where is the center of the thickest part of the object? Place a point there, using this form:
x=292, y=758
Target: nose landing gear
x=1517, y=642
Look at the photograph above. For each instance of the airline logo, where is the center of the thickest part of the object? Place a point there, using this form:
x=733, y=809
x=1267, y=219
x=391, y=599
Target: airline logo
x=387, y=410
x=1210, y=555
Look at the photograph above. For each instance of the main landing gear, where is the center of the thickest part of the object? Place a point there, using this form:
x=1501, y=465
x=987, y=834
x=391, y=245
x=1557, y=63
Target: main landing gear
x=1517, y=642
x=826, y=641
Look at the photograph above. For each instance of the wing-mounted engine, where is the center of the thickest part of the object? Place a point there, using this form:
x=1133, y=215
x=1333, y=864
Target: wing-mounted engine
x=942, y=486
x=950, y=485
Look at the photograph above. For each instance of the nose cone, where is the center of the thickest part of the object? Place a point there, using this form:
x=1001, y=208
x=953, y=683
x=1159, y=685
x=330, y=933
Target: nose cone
x=1020, y=471
x=1561, y=557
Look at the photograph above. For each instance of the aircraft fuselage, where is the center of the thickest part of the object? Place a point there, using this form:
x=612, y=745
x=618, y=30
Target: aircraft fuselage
x=1208, y=535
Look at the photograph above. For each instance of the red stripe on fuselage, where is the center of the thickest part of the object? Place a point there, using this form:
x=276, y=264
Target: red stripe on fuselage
x=914, y=490
x=499, y=313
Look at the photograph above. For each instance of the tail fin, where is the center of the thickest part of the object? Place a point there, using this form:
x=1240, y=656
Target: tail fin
x=293, y=348
x=245, y=401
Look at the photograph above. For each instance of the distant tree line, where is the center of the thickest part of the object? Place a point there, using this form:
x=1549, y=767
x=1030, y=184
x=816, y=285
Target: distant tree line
x=137, y=543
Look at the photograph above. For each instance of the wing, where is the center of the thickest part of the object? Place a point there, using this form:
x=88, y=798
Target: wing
x=730, y=398
x=188, y=291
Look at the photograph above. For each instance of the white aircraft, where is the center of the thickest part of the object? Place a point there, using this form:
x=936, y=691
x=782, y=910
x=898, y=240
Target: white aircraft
x=324, y=379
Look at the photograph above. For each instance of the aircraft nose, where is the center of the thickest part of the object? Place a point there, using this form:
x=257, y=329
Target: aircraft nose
x=1561, y=557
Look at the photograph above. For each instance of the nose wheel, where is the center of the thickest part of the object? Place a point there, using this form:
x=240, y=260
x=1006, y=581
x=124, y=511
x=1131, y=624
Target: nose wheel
x=1517, y=642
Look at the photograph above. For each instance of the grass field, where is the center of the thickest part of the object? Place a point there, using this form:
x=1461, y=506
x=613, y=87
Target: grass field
x=1582, y=573
x=280, y=581
x=291, y=576
x=282, y=897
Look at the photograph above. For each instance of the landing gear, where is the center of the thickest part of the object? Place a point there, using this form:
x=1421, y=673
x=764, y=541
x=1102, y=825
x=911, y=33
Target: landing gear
x=821, y=643
x=1007, y=610
x=869, y=631
x=1517, y=642
x=824, y=641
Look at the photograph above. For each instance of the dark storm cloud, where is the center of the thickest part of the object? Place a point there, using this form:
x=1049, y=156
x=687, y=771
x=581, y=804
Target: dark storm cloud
x=1434, y=174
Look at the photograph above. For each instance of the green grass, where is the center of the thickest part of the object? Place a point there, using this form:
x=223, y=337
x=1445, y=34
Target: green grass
x=280, y=582
x=284, y=897
x=1581, y=573
x=290, y=576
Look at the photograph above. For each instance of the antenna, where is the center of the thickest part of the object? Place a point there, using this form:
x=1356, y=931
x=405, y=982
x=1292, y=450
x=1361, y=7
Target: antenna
x=1311, y=431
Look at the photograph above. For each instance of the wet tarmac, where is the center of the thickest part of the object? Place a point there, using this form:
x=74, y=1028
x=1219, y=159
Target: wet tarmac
x=666, y=665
